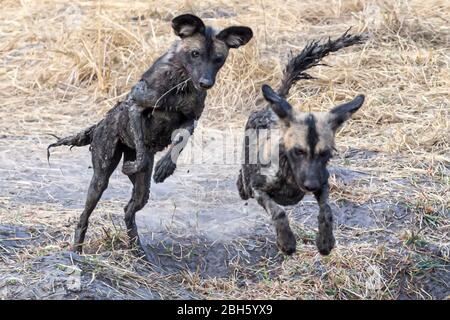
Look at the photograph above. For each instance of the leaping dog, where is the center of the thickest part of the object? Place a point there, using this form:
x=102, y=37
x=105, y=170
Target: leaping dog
x=169, y=96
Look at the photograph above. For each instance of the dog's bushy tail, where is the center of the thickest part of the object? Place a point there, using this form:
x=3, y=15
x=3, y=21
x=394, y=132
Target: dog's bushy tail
x=311, y=56
x=83, y=138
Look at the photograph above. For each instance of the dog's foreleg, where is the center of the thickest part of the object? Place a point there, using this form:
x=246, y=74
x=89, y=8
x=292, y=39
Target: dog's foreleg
x=168, y=163
x=285, y=237
x=325, y=239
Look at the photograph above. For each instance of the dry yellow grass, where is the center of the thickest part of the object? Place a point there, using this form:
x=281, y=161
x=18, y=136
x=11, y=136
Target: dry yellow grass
x=63, y=64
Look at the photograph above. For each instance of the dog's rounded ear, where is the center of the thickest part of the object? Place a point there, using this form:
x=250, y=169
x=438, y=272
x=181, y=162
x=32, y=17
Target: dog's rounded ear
x=280, y=106
x=338, y=115
x=187, y=25
x=235, y=36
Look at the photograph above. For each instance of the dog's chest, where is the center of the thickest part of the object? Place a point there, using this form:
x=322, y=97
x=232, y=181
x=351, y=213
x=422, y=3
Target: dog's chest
x=280, y=184
x=285, y=192
x=176, y=110
x=158, y=128
x=190, y=104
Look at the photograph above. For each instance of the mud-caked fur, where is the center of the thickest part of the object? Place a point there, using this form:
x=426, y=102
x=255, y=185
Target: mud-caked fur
x=306, y=144
x=169, y=96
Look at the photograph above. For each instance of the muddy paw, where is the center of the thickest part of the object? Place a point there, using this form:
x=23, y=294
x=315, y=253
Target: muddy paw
x=325, y=243
x=77, y=248
x=136, y=248
x=163, y=169
x=286, y=242
x=134, y=244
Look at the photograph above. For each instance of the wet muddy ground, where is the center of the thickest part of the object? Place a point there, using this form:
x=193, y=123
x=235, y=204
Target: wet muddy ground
x=194, y=222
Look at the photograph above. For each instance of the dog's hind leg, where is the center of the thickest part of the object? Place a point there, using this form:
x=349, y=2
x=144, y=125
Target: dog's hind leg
x=141, y=161
x=105, y=158
x=140, y=195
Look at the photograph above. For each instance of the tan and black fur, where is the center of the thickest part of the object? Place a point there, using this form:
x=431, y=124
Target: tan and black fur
x=306, y=145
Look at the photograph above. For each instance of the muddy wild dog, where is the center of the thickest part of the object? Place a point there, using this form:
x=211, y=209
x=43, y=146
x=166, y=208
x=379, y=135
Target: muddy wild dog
x=169, y=96
x=305, y=145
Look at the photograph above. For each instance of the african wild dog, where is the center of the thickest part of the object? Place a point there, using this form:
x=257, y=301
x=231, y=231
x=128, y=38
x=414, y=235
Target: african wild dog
x=305, y=144
x=169, y=96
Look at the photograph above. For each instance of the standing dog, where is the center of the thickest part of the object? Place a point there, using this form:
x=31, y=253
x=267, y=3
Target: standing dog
x=305, y=147
x=169, y=96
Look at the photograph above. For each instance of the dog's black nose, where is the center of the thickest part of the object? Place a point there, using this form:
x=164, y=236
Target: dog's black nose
x=311, y=185
x=206, y=83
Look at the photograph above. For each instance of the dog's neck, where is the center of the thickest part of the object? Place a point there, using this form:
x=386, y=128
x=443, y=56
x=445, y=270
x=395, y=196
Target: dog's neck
x=175, y=74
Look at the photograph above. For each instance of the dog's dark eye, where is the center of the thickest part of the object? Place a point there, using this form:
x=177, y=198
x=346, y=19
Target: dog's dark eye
x=298, y=152
x=195, y=53
x=218, y=60
x=326, y=155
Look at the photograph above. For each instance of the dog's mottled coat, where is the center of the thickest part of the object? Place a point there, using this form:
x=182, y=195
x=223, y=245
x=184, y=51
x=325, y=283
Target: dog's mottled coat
x=305, y=147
